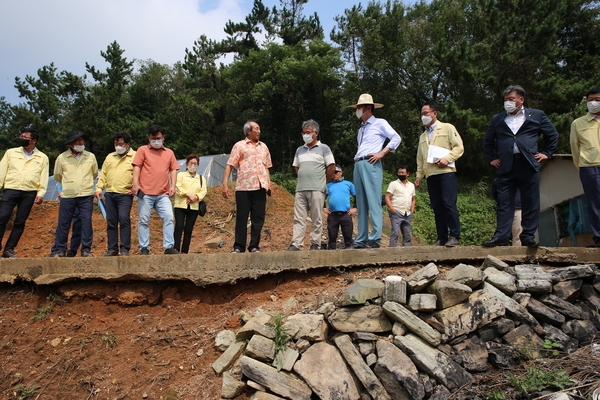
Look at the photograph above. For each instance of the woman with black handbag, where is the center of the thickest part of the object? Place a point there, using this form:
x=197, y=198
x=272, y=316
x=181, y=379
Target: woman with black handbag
x=190, y=190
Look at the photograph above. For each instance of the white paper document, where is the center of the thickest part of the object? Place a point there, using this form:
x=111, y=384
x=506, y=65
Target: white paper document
x=435, y=153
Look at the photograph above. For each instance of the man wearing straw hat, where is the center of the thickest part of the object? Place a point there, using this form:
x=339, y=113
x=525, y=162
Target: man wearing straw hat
x=368, y=171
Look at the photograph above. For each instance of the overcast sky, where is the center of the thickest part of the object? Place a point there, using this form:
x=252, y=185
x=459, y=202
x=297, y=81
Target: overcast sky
x=72, y=32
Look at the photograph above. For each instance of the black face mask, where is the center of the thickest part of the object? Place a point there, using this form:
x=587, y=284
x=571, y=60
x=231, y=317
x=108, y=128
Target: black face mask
x=402, y=177
x=24, y=142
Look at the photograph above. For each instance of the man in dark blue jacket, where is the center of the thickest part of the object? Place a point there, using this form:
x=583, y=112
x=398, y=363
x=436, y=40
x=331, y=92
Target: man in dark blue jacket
x=511, y=146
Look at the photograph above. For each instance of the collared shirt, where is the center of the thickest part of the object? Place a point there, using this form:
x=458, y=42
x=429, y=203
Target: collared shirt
x=430, y=130
x=312, y=163
x=372, y=135
x=402, y=195
x=28, y=154
x=186, y=183
x=28, y=174
x=76, y=175
x=252, y=161
x=585, y=141
x=155, y=167
x=515, y=122
x=446, y=136
x=117, y=173
x=338, y=193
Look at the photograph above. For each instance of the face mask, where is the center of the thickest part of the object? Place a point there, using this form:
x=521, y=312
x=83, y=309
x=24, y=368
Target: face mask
x=307, y=138
x=121, y=149
x=593, y=107
x=78, y=148
x=426, y=119
x=156, y=144
x=359, y=113
x=24, y=142
x=192, y=169
x=510, y=106
x=402, y=177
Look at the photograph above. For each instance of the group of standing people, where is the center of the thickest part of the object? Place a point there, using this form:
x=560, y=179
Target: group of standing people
x=150, y=173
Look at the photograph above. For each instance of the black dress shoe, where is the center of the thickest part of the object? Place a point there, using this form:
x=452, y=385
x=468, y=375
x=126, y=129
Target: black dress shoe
x=530, y=243
x=110, y=253
x=495, y=242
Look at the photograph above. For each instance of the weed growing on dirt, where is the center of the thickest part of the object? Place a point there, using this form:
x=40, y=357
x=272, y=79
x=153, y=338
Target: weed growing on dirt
x=109, y=340
x=42, y=312
x=551, y=348
x=24, y=393
x=495, y=395
x=536, y=380
x=281, y=339
x=54, y=299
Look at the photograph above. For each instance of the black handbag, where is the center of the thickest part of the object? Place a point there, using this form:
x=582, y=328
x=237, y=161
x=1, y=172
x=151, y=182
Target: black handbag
x=202, y=204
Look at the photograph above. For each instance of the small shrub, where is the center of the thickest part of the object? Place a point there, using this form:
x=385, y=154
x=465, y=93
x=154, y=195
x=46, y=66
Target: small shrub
x=551, y=348
x=109, y=340
x=536, y=380
x=24, y=393
x=281, y=339
x=495, y=395
x=42, y=312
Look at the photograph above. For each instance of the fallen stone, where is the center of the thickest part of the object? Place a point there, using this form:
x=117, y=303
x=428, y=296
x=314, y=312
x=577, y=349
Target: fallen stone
x=543, y=313
x=325, y=371
x=502, y=356
x=366, y=336
x=366, y=348
x=302, y=345
x=511, y=306
x=466, y=275
x=433, y=362
x=281, y=383
x=573, y=272
x=596, y=283
x=401, y=314
x=399, y=329
x=326, y=309
x=285, y=359
x=428, y=383
x=397, y=373
x=362, y=371
x=291, y=304
x=394, y=289
x=589, y=314
x=582, y=330
x=256, y=325
x=590, y=296
x=311, y=327
x=265, y=396
x=567, y=290
x=361, y=291
x=255, y=386
x=422, y=302
x=474, y=354
x=525, y=341
x=564, y=307
x=432, y=321
x=420, y=279
x=534, y=286
x=522, y=298
x=440, y=392
x=532, y=272
x=449, y=293
x=555, y=335
x=368, y=318
x=491, y=261
x=214, y=242
x=224, y=340
x=480, y=309
x=226, y=360
x=501, y=280
x=261, y=348
x=231, y=387
x=371, y=359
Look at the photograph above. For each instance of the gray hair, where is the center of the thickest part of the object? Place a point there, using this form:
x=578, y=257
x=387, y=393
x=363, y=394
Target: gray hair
x=311, y=123
x=248, y=127
x=514, y=88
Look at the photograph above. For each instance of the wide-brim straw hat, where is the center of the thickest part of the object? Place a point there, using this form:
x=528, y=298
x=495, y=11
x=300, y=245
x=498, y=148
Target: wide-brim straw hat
x=366, y=98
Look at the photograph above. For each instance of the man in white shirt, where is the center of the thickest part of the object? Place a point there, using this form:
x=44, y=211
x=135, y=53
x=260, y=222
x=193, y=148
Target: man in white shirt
x=400, y=200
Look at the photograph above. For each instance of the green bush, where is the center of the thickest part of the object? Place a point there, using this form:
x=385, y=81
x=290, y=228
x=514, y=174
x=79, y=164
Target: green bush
x=286, y=180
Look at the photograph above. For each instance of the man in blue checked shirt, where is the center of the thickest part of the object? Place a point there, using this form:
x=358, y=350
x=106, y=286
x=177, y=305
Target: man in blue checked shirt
x=339, y=211
x=368, y=171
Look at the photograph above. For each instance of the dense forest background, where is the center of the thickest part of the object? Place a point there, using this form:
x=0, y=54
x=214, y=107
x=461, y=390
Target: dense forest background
x=459, y=53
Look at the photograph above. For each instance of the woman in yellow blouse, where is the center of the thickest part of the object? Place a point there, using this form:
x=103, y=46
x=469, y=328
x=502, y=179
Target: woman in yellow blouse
x=190, y=189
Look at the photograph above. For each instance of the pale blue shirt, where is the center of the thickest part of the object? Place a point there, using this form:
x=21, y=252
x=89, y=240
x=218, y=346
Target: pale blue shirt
x=372, y=135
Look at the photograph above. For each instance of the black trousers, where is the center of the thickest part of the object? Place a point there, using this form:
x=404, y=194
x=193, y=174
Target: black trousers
x=185, y=218
x=524, y=177
x=251, y=203
x=66, y=212
x=118, y=211
x=24, y=202
x=335, y=221
x=443, y=193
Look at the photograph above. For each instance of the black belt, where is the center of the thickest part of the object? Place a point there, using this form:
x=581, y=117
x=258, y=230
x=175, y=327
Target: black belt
x=339, y=212
x=362, y=158
x=517, y=155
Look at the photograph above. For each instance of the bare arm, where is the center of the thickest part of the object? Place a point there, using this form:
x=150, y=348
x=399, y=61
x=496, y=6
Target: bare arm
x=225, y=189
x=136, y=180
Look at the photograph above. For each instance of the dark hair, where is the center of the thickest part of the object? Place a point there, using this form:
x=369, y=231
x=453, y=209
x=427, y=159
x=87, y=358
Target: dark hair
x=433, y=105
x=514, y=88
x=122, y=135
x=191, y=157
x=32, y=132
x=404, y=167
x=155, y=130
x=593, y=90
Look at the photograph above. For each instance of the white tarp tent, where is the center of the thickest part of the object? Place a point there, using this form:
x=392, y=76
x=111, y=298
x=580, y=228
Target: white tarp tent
x=211, y=167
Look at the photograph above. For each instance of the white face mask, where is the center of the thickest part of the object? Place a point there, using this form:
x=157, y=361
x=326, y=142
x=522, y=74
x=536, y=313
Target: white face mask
x=359, y=113
x=426, y=119
x=593, y=107
x=510, y=106
x=307, y=138
x=121, y=149
x=78, y=148
x=192, y=168
x=156, y=144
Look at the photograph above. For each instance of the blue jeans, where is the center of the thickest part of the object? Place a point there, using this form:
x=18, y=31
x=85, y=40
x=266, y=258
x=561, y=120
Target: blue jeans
x=368, y=179
x=164, y=209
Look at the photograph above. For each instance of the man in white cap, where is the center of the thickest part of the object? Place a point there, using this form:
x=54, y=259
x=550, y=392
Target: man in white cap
x=368, y=171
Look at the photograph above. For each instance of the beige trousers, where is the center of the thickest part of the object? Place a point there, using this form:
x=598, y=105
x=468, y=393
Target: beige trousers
x=305, y=203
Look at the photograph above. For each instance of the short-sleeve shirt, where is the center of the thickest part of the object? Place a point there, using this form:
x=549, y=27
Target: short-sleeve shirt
x=339, y=195
x=155, y=167
x=402, y=195
x=252, y=161
x=312, y=165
